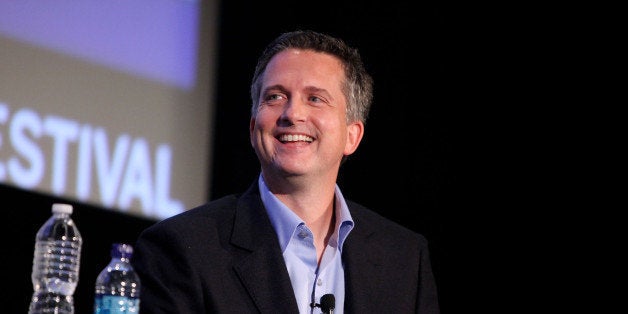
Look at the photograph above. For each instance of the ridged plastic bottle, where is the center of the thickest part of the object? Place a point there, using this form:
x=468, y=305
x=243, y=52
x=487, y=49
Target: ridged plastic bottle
x=56, y=263
x=118, y=286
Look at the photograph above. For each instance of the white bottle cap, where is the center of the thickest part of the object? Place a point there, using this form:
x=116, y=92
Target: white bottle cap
x=61, y=208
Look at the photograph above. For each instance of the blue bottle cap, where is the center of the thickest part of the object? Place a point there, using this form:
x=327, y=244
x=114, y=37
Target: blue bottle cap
x=121, y=250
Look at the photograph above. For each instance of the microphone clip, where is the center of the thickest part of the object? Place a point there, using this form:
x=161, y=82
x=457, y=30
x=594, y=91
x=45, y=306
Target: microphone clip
x=327, y=305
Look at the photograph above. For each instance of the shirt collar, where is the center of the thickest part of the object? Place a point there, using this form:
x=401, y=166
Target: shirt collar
x=286, y=222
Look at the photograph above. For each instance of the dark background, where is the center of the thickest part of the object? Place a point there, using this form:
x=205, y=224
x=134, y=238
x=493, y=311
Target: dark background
x=419, y=163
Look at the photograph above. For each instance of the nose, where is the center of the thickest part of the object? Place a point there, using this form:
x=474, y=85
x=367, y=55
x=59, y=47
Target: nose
x=294, y=111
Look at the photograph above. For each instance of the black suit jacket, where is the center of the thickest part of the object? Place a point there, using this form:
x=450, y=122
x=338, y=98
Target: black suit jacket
x=224, y=257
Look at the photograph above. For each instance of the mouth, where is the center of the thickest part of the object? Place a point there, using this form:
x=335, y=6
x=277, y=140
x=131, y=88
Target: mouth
x=293, y=138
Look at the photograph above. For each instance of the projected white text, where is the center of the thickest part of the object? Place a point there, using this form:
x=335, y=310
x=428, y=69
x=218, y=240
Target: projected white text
x=127, y=172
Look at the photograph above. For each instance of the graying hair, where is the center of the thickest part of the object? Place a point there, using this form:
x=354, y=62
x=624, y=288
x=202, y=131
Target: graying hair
x=358, y=84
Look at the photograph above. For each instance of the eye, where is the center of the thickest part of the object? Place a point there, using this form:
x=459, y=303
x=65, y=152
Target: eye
x=270, y=98
x=315, y=99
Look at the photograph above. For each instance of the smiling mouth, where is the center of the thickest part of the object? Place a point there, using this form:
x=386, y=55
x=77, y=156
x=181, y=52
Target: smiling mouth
x=291, y=138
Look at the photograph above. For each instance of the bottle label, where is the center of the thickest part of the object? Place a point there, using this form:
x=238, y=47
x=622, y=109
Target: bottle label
x=111, y=304
x=56, y=265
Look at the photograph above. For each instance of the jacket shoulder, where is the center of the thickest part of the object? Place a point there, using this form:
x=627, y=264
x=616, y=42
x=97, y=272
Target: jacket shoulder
x=371, y=221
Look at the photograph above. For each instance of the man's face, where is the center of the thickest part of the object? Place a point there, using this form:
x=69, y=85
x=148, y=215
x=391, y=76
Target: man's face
x=300, y=127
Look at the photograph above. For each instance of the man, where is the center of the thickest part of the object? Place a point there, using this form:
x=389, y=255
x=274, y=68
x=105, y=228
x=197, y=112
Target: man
x=291, y=243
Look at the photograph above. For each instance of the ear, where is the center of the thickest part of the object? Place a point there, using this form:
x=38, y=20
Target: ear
x=355, y=131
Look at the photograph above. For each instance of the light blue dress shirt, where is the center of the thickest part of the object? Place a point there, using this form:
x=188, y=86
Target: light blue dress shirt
x=297, y=244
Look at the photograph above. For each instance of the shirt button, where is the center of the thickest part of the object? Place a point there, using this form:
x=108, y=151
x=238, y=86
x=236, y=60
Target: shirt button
x=319, y=282
x=302, y=234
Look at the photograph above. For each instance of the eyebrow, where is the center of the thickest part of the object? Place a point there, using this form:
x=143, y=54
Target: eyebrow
x=309, y=89
x=317, y=90
x=271, y=87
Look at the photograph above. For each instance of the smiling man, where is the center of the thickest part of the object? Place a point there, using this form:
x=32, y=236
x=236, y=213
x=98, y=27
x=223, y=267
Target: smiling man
x=291, y=243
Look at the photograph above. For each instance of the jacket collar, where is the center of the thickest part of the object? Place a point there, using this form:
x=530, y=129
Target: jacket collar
x=261, y=267
x=263, y=273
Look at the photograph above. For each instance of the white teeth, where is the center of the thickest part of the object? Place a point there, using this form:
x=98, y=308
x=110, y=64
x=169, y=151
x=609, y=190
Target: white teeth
x=295, y=138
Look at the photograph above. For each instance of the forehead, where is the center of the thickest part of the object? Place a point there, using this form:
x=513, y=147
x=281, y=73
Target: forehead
x=300, y=63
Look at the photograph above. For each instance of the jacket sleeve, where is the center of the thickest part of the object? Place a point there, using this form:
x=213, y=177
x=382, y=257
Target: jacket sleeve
x=168, y=282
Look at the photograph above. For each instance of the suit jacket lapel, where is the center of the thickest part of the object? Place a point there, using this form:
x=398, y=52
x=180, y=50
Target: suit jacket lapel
x=362, y=262
x=262, y=269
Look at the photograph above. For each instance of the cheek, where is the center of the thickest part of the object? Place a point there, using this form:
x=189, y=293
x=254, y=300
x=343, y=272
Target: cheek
x=330, y=123
x=255, y=130
x=335, y=130
x=261, y=130
x=266, y=117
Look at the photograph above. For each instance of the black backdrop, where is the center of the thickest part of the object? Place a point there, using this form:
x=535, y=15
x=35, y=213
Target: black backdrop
x=411, y=166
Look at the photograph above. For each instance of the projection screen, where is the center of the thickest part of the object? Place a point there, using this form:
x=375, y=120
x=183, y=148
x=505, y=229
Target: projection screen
x=108, y=102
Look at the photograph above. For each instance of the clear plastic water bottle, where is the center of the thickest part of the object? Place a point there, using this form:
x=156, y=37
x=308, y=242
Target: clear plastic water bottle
x=118, y=286
x=56, y=263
